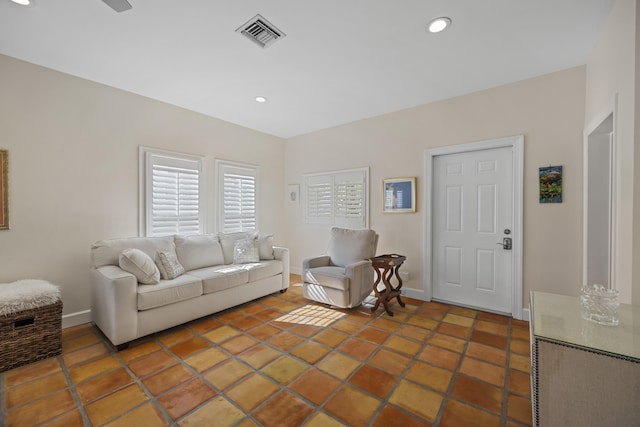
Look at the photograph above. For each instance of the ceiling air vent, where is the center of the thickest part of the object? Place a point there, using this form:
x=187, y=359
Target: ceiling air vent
x=260, y=31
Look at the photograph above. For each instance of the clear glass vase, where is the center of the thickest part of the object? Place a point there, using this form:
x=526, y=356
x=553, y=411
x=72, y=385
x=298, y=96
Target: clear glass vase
x=600, y=305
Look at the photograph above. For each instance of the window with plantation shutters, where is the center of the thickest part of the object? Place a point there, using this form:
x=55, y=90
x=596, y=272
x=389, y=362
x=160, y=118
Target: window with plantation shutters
x=319, y=199
x=237, y=196
x=173, y=192
x=337, y=198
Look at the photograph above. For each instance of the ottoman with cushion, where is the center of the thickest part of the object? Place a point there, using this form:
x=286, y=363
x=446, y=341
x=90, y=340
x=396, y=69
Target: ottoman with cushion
x=30, y=322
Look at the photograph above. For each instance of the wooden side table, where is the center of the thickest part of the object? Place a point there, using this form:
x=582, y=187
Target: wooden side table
x=386, y=266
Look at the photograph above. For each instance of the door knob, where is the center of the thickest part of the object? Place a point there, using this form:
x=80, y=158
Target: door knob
x=506, y=243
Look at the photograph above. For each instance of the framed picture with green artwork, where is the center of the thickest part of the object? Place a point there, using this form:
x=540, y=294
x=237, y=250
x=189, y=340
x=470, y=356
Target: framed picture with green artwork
x=550, y=184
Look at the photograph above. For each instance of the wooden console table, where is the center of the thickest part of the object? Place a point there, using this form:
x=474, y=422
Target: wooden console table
x=386, y=266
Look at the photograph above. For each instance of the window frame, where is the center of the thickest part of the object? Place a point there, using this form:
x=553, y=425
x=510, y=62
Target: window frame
x=223, y=166
x=145, y=169
x=336, y=178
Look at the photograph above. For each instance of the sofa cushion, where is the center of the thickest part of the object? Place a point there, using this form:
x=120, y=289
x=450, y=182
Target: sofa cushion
x=198, y=251
x=245, y=251
x=221, y=277
x=347, y=246
x=139, y=264
x=228, y=243
x=265, y=246
x=107, y=252
x=169, y=291
x=168, y=264
x=263, y=269
x=331, y=277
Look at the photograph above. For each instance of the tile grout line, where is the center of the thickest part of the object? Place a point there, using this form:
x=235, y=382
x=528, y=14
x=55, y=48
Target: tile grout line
x=74, y=394
x=401, y=377
x=456, y=371
x=316, y=408
x=236, y=357
x=135, y=380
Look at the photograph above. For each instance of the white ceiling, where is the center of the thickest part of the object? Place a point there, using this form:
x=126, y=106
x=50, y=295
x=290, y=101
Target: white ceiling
x=341, y=61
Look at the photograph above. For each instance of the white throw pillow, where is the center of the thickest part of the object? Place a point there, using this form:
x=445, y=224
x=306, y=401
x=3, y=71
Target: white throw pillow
x=199, y=251
x=168, y=264
x=245, y=251
x=265, y=246
x=141, y=265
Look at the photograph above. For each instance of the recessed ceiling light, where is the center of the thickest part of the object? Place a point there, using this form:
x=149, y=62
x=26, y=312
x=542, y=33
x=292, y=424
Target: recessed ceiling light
x=439, y=24
x=261, y=99
x=23, y=2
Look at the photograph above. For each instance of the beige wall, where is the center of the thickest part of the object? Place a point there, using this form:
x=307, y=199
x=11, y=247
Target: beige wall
x=73, y=147
x=548, y=111
x=611, y=72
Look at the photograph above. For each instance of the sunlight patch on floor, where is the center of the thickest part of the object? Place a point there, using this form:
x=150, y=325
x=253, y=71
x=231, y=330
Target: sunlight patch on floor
x=312, y=315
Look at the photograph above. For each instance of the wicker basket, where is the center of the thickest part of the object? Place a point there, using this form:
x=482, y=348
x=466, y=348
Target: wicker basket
x=30, y=335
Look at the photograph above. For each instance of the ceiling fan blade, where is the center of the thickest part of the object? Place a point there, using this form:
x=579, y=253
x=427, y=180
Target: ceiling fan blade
x=118, y=5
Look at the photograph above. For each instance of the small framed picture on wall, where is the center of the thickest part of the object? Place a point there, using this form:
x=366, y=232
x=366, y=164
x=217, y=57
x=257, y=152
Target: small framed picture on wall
x=399, y=195
x=550, y=184
x=293, y=193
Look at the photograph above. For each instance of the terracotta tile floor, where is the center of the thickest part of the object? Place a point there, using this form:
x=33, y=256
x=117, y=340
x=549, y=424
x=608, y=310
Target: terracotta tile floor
x=283, y=361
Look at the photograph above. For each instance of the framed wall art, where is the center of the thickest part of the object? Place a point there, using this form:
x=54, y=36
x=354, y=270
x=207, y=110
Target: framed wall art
x=399, y=195
x=293, y=193
x=550, y=184
x=4, y=190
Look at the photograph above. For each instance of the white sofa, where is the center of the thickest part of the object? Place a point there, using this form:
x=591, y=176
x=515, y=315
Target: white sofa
x=125, y=309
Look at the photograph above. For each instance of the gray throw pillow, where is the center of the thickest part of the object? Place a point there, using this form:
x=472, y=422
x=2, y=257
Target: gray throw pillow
x=228, y=243
x=245, y=251
x=168, y=264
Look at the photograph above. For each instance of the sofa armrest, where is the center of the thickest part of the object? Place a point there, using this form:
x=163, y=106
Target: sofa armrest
x=360, y=276
x=114, y=303
x=283, y=255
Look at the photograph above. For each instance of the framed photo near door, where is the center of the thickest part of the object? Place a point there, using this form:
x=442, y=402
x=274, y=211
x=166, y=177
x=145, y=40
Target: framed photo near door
x=399, y=195
x=4, y=190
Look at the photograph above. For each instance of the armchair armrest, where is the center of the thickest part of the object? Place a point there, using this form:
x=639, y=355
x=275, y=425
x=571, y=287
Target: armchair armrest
x=314, y=262
x=360, y=275
x=319, y=261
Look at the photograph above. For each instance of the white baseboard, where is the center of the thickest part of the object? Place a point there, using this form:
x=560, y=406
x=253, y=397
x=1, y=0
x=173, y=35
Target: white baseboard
x=418, y=294
x=526, y=314
x=295, y=270
x=75, y=319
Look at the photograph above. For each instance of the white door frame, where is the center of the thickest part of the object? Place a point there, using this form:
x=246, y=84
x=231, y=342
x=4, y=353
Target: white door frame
x=600, y=118
x=517, y=144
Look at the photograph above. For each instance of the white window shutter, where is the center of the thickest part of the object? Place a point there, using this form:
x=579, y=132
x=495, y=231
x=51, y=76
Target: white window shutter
x=173, y=194
x=337, y=198
x=237, y=189
x=319, y=200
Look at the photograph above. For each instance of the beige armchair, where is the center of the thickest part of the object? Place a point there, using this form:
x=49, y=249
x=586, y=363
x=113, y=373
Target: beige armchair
x=344, y=277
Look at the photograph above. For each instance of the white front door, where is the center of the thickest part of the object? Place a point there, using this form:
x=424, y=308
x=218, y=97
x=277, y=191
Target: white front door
x=473, y=211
